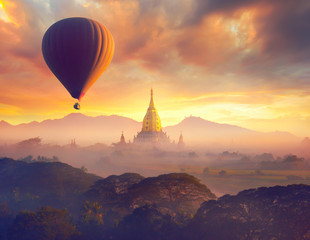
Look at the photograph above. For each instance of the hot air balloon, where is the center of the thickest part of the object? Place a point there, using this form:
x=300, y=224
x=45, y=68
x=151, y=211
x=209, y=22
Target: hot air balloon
x=77, y=51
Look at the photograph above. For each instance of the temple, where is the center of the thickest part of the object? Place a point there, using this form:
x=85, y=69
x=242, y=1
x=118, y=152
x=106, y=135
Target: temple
x=151, y=132
x=181, y=143
x=122, y=143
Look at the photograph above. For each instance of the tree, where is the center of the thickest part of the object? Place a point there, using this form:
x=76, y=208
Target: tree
x=147, y=223
x=27, y=159
x=92, y=212
x=45, y=224
x=30, y=142
x=5, y=219
x=222, y=173
x=91, y=222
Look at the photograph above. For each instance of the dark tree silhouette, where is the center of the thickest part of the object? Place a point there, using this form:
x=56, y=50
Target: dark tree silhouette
x=45, y=224
x=5, y=219
x=147, y=223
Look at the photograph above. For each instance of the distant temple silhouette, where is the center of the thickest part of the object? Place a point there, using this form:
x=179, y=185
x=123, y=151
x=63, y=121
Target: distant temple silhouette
x=122, y=143
x=181, y=143
x=73, y=143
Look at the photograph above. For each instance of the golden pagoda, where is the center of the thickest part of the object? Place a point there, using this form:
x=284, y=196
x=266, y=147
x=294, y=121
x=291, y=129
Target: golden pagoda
x=151, y=128
x=151, y=121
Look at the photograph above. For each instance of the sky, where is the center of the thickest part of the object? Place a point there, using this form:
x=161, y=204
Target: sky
x=242, y=62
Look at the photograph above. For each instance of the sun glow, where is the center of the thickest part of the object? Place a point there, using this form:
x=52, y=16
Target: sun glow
x=3, y=13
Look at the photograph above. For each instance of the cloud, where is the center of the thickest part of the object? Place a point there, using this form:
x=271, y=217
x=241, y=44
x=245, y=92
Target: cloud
x=241, y=37
x=185, y=49
x=257, y=39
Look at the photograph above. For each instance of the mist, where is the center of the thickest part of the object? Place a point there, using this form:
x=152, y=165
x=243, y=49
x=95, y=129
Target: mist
x=224, y=170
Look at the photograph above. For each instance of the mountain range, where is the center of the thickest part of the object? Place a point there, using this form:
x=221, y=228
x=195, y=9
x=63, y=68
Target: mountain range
x=108, y=129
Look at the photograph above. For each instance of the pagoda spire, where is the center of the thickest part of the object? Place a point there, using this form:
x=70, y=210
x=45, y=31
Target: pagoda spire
x=152, y=101
x=122, y=140
x=181, y=143
x=151, y=121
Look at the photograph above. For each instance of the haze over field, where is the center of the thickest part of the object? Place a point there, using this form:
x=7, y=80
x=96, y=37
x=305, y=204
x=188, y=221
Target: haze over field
x=226, y=171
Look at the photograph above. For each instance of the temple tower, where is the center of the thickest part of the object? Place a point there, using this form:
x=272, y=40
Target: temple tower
x=151, y=121
x=151, y=132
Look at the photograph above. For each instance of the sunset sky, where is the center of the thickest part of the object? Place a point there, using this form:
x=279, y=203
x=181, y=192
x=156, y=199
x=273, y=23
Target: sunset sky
x=242, y=62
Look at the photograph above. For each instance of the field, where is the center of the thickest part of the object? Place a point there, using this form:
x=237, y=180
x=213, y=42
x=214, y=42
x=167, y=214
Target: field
x=223, y=181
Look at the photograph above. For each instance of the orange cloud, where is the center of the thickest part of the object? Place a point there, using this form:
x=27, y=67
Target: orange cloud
x=202, y=57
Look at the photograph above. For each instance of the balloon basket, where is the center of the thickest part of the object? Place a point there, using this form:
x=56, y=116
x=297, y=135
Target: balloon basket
x=77, y=106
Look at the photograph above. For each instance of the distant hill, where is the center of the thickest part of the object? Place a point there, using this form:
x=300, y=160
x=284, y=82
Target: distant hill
x=204, y=129
x=86, y=130
x=107, y=129
x=280, y=213
x=196, y=130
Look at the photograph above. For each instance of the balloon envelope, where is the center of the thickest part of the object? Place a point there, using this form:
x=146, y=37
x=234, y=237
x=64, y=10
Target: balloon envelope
x=77, y=51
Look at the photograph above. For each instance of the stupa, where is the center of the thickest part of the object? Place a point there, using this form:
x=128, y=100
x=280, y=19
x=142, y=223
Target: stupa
x=151, y=132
